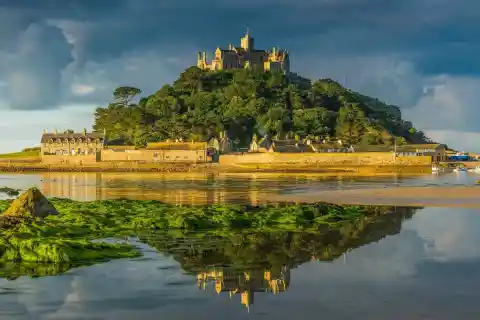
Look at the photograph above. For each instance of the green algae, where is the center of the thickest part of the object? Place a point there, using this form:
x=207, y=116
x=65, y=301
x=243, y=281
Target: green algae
x=74, y=236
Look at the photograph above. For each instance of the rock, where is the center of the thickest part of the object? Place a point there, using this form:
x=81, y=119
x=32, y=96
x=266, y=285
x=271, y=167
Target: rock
x=30, y=204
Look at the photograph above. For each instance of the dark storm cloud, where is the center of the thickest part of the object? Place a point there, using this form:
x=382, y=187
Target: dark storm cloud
x=34, y=71
x=434, y=34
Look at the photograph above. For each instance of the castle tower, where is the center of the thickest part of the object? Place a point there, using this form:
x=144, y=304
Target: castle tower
x=247, y=42
x=202, y=60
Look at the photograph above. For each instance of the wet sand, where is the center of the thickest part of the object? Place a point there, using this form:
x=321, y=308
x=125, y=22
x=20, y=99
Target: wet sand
x=461, y=196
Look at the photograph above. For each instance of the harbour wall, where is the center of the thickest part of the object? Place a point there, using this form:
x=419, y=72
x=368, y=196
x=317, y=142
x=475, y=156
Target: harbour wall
x=322, y=159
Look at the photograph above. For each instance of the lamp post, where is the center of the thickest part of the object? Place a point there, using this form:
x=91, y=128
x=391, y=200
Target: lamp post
x=394, y=149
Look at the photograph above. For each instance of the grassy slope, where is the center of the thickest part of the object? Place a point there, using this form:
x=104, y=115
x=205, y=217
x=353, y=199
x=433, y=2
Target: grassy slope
x=22, y=154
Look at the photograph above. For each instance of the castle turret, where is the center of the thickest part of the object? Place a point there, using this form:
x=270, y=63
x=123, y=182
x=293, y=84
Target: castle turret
x=247, y=42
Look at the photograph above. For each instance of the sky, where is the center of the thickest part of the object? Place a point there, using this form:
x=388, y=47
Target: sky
x=60, y=59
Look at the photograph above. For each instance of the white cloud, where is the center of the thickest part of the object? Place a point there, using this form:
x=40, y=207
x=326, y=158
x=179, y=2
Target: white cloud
x=82, y=90
x=22, y=129
x=390, y=78
x=451, y=105
x=148, y=71
x=451, y=235
x=34, y=70
x=462, y=141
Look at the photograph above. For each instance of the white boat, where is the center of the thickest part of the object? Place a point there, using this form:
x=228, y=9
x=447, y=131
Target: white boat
x=460, y=170
x=437, y=169
x=476, y=169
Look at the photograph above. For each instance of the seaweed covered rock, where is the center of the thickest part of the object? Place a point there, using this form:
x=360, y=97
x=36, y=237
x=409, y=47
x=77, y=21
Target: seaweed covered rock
x=30, y=204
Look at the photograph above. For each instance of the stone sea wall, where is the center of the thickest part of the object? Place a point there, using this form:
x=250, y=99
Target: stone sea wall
x=323, y=159
x=155, y=155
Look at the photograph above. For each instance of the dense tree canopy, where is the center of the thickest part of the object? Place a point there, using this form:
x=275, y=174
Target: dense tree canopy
x=201, y=104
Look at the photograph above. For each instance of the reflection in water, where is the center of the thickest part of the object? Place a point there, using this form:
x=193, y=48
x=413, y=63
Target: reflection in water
x=247, y=263
x=191, y=188
x=397, y=277
x=246, y=283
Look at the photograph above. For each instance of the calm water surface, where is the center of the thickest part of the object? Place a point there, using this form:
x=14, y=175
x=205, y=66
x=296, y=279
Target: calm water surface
x=197, y=188
x=410, y=264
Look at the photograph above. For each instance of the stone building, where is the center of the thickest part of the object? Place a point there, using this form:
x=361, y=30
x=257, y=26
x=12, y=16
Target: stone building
x=246, y=56
x=70, y=143
x=155, y=152
x=267, y=144
x=221, y=144
x=436, y=151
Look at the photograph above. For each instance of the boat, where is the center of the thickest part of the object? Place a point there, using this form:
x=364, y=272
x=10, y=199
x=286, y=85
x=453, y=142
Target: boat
x=458, y=169
x=476, y=169
x=437, y=169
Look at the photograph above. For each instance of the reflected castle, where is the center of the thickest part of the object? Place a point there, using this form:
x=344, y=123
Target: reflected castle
x=246, y=283
x=261, y=262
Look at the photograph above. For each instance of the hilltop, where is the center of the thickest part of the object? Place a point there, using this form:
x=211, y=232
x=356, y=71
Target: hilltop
x=243, y=102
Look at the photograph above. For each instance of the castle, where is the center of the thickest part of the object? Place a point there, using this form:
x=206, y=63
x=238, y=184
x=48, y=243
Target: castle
x=246, y=56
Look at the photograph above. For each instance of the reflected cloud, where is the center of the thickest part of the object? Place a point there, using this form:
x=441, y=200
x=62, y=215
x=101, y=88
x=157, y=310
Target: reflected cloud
x=449, y=234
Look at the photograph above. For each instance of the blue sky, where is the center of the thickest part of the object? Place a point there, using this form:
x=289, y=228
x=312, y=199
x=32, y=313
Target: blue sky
x=60, y=59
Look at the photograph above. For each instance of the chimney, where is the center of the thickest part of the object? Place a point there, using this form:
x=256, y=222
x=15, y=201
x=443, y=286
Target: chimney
x=56, y=131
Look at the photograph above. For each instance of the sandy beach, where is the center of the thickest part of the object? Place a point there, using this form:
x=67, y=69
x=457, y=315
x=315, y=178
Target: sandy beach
x=398, y=196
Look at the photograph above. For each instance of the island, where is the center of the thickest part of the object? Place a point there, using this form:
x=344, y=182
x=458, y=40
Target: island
x=243, y=111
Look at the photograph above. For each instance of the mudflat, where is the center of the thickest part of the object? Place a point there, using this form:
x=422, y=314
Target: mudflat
x=461, y=196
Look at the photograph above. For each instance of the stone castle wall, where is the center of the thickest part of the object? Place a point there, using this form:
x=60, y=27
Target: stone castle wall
x=323, y=159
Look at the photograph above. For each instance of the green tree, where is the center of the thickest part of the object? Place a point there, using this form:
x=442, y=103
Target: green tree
x=125, y=94
x=201, y=104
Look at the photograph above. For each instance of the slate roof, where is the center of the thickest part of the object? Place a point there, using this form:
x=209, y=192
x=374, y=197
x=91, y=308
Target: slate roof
x=289, y=146
x=77, y=135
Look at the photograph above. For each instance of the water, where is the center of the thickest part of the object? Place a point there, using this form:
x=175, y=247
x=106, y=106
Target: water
x=198, y=188
x=412, y=264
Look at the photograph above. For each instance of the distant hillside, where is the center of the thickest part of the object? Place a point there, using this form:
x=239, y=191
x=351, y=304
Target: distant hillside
x=243, y=102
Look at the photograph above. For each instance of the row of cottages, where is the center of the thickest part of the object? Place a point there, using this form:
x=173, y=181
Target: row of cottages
x=77, y=148
x=438, y=152
x=70, y=143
